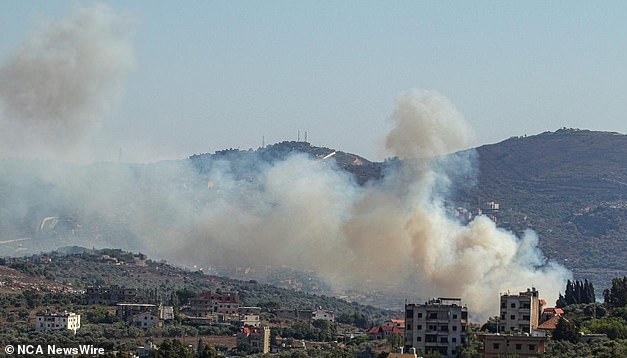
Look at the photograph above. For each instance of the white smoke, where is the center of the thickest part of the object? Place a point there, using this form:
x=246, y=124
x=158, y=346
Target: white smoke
x=61, y=83
x=300, y=212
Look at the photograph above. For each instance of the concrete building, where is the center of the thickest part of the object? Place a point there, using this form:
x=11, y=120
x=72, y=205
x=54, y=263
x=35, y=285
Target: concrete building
x=146, y=320
x=57, y=321
x=326, y=315
x=208, y=303
x=510, y=345
x=439, y=325
x=258, y=338
x=249, y=316
x=110, y=295
x=520, y=313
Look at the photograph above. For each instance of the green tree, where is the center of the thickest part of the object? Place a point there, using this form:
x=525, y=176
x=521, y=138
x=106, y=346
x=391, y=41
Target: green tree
x=616, y=296
x=566, y=331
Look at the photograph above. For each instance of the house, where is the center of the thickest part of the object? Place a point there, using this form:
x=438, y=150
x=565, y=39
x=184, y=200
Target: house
x=384, y=331
x=550, y=312
x=249, y=316
x=125, y=311
x=439, y=325
x=326, y=315
x=146, y=320
x=45, y=322
x=258, y=338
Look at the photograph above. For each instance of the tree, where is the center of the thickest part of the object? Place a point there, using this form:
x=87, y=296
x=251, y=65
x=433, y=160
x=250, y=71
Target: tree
x=576, y=292
x=566, y=331
x=616, y=296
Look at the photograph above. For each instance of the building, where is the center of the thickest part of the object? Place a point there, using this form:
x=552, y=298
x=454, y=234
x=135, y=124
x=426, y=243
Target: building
x=258, y=338
x=126, y=311
x=249, y=316
x=201, y=306
x=520, y=313
x=57, y=321
x=111, y=295
x=145, y=320
x=439, y=325
x=326, y=315
x=512, y=345
x=384, y=331
x=299, y=314
x=209, y=302
x=166, y=312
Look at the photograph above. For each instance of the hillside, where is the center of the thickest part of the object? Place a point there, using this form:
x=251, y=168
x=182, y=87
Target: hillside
x=570, y=186
x=71, y=273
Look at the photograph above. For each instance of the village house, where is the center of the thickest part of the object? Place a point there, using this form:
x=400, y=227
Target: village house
x=46, y=321
x=249, y=316
x=325, y=315
x=144, y=315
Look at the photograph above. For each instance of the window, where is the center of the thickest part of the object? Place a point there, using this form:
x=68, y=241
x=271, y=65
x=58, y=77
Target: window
x=532, y=347
x=518, y=346
x=454, y=328
x=512, y=316
x=454, y=315
x=513, y=305
x=454, y=340
x=495, y=346
x=419, y=339
x=419, y=327
x=419, y=314
x=526, y=317
x=443, y=340
x=409, y=327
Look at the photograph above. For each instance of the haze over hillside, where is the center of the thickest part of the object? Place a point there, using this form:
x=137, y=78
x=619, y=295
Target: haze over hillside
x=281, y=207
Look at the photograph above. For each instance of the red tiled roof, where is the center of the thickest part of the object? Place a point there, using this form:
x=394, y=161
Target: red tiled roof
x=555, y=311
x=550, y=324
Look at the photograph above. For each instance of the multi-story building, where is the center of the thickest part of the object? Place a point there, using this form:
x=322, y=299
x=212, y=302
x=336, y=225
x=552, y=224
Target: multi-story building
x=258, y=338
x=57, y=321
x=111, y=295
x=520, y=313
x=439, y=325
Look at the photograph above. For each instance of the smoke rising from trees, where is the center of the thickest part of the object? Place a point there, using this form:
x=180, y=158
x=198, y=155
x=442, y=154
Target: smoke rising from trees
x=303, y=212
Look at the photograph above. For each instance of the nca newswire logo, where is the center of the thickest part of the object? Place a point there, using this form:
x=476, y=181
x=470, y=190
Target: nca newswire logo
x=52, y=350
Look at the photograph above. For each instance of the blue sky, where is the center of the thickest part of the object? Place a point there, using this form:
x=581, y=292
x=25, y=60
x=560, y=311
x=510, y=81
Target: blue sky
x=216, y=74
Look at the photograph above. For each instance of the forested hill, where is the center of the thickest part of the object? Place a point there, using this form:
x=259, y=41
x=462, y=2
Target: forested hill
x=570, y=186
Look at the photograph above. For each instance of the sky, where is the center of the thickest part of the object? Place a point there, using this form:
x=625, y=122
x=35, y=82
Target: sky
x=199, y=76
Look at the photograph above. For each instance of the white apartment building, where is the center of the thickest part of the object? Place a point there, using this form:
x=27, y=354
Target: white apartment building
x=57, y=321
x=439, y=325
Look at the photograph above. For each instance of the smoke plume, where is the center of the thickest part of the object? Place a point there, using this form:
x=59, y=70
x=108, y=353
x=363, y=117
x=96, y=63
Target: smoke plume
x=395, y=233
x=61, y=83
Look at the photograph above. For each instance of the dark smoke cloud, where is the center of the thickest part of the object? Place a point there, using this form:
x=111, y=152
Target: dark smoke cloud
x=61, y=83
